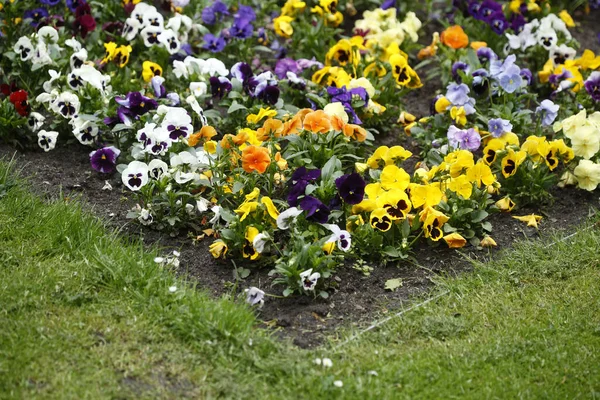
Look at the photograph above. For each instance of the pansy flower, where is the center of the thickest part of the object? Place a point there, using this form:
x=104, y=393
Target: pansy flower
x=339, y=236
x=135, y=176
x=219, y=86
x=85, y=130
x=21, y=103
x=47, y=139
x=24, y=48
x=35, y=15
x=315, y=210
x=213, y=43
x=66, y=104
x=157, y=168
x=592, y=85
x=104, y=160
x=351, y=188
x=255, y=296
x=308, y=279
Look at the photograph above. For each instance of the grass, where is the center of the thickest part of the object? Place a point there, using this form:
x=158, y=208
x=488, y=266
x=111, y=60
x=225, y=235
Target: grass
x=84, y=314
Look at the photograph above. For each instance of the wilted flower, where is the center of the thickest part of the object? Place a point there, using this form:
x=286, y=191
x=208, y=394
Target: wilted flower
x=287, y=218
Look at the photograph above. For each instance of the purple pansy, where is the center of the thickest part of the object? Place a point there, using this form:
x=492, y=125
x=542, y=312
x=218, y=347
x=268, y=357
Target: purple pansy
x=464, y=139
x=351, y=188
x=104, y=160
x=213, y=43
x=592, y=85
x=286, y=65
x=316, y=211
x=499, y=126
x=548, y=110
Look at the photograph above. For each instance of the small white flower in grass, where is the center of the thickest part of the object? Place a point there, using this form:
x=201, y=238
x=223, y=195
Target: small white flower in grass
x=172, y=289
x=342, y=237
x=338, y=384
x=260, y=241
x=373, y=373
x=287, y=218
x=308, y=279
x=47, y=139
x=327, y=363
x=255, y=296
x=318, y=361
x=159, y=260
x=135, y=176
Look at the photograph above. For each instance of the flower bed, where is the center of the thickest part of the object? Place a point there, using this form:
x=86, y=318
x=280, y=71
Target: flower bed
x=222, y=121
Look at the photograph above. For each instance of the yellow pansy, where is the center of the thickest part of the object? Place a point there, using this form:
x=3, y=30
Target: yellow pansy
x=567, y=19
x=218, y=248
x=262, y=113
x=380, y=219
x=459, y=115
x=121, y=55
x=442, y=104
x=433, y=221
x=511, y=162
x=271, y=209
x=283, y=26
x=210, y=147
x=481, y=173
x=488, y=242
x=150, y=70
x=425, y=195
x=393, y=177
x=395, y=202
x=110, y=50
x=248, y=250
x=461, y=186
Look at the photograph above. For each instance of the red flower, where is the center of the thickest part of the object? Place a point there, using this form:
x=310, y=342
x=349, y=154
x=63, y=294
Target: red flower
x=19, y=99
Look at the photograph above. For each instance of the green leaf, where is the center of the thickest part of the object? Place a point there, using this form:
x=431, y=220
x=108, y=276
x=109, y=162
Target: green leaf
x=393, y=284
x=478, y=215
x=235, y=106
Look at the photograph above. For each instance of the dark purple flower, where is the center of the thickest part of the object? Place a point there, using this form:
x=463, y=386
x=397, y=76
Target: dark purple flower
x=316, y=211
x=474, y=7
x=284, y=65
x=213, y=43
x=219, y=86
x=241, y=29
x=459, y=66
x=296, y=191
x=214, y=11
x=353, y=118
x=137, y=103
x=592, y=85
x=486, y=54
x=244, y=13
x=517, y=23
x=303, y=174
x=157, y=85
x=351, y=188
x=270, y=94
x=74, y=4
x=480, y=81
x=487, y=9
x=104, y=160
x=35, y=15
x=498, y=22
x=526, y=75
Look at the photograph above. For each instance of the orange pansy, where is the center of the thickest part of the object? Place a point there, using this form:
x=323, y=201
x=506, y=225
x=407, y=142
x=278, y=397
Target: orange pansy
x=455, y=37
x=255, y=158
x=317, y=122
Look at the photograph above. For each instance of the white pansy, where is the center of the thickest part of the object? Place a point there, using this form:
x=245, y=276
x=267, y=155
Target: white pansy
x=140, y=10
x=150, y=35
x=217, y=211
x=193, y=102
x=260, y=241
x=78, y=58
x=287, y=218
x=202, y=204
x=24, y=48
x=157, y=168
x=41, y=56
x=255, y=296
x=131, y=28
x=341, y=237
x=66, y=104
x=74, y=44
x=47, y=139
x=85, y=130
x=135, y=176
x=180, y=69
x=35, y=121
x=54, y=75
x=47, y=34
x=168, y=39
x=145, y=217
x=308, y=279
x=198, y=88
x=153, y=18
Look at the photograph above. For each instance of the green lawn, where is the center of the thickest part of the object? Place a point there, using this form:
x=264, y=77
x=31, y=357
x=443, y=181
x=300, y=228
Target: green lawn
x=85, y=315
